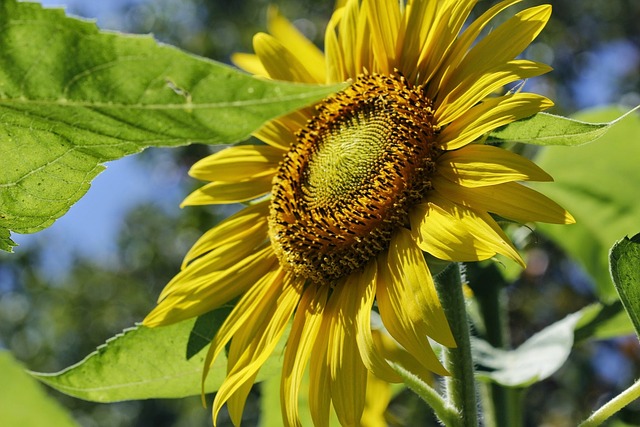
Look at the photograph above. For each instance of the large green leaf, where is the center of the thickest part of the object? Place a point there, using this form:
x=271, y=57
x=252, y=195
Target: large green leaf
x=625, y=270
x=549, y=129
x=598, y=183
x=23, y=402
x=144, y=363
x=535, y=360
x=72, y=98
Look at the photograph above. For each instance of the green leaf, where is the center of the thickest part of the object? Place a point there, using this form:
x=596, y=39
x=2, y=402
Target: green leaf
x=535, y=360
x=201, y=333
x=549, y=129
x=625, y=270
x=6, y=244
x=270, y=412
x=72, y=98
x=23, y=402
x=144, y=363
x=598, y=184
x=602, y=321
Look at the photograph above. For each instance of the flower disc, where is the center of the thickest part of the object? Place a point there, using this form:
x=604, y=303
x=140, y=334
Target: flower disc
x=351, y=177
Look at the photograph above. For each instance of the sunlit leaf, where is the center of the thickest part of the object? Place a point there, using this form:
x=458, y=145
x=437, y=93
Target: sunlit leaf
x=549, y=129
x=73, y=98
x=535, y=360
x=23, y=402
x=6, y=244
x=598, y=183
x=625, y=270
x=144, y=363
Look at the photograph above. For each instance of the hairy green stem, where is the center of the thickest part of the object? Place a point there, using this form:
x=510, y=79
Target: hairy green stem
x=445, y=413
x=460, y=386
x=502, y=405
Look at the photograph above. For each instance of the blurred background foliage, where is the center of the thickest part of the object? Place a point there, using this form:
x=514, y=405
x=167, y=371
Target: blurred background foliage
x=58, y=304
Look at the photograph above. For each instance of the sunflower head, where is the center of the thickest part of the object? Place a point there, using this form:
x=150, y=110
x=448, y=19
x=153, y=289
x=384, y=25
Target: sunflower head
x=351, y=177
x=350, y=193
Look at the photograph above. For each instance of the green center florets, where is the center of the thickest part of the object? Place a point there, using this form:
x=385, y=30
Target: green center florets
x=346, y=159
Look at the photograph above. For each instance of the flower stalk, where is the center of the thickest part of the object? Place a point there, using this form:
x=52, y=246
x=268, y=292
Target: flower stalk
x=460, y=386
x=613, y=406
x=502, y=405
x=446, y=413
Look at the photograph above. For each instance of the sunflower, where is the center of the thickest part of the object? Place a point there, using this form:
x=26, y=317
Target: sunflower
x=345, y=197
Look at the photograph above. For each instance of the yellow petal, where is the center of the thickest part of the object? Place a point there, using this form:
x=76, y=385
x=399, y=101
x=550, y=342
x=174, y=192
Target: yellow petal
x=215, y=262
x=457, y=233
x=481, y=165
x=384, y=21
x=238, y=163
x=477, y=86
x=249, y=311
x=391, y=350
x=250, y=63
x=309, y=55
x=378, y=398
x=348, y=373
x=255, y=345
x=463, y=43
x=280, y=133
x=250, y=308
x=408, y=302
x=335, y=64
x=451, y=16
x=355, y=39
x=363, y=288
x=501, y=45
x=320, y=376
x=250, y=221
x=220, y=192
x=509, y=200
x=196, y=297
x=489, y=115
x=418, y=21
x=304, y=333
x=280, y=62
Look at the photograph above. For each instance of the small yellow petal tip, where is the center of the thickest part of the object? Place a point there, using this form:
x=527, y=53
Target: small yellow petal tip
x=568, y=218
